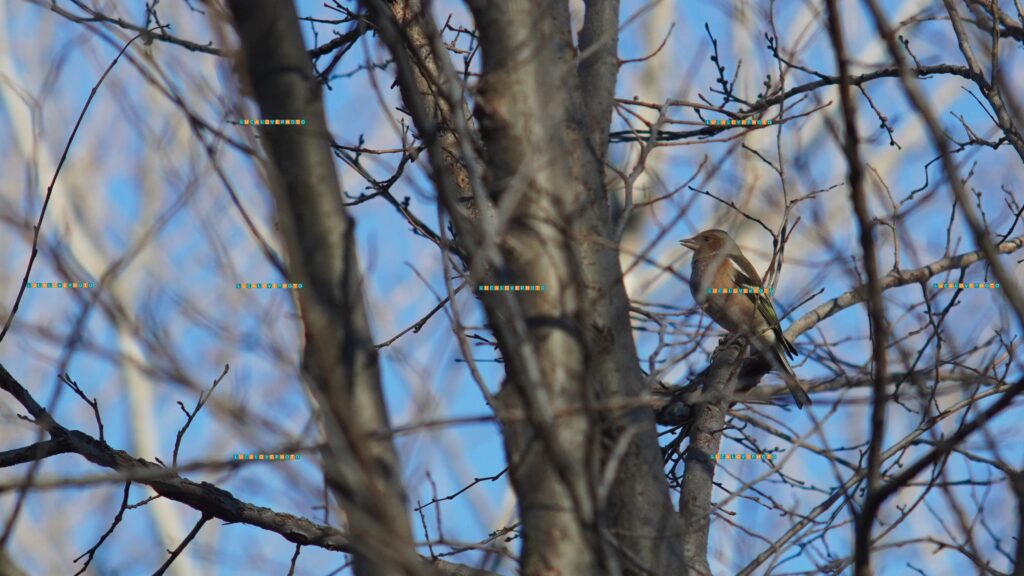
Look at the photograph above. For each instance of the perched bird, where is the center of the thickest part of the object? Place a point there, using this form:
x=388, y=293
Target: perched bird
x=718, y=263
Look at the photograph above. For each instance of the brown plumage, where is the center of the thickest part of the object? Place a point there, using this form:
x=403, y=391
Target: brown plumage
x=719, y=263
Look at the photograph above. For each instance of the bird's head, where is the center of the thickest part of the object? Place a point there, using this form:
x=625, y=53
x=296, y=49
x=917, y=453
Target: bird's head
x=710, y=242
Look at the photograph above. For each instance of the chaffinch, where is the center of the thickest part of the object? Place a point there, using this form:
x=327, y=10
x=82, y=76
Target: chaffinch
x=719, y=263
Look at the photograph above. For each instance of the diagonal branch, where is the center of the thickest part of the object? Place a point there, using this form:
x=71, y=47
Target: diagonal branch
x=1007, y=395
x=826, y=80
x=201, y=496
x=894, y=279
x=37, y=229
x=339, y=358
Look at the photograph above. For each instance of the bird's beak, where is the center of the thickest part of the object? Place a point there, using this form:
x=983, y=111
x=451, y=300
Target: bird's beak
x=690, y=243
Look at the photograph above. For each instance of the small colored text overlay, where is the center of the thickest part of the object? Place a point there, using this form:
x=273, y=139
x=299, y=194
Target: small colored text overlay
x=509, y=288
x=966, y=285
x=250, y=285
x=740, y=122
x=60, y=284
x=748, y=456
x=275, y=457
x=741, y=290
x=264, y=122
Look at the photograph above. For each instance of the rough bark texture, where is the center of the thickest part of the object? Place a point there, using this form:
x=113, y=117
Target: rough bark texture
x=408, y=15
x=339, y=358
x=543, y=112
x=523, y=105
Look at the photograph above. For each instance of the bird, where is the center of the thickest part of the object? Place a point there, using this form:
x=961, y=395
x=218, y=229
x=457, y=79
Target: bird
x=719, y=263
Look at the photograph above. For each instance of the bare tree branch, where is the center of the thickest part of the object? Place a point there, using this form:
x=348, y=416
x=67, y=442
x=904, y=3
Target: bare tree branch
x=202, y=496
x=695, y=508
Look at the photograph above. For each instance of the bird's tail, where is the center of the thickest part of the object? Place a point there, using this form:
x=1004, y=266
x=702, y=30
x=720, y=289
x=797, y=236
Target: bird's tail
x=784, y=348
x=786, y=344
x=799, y=394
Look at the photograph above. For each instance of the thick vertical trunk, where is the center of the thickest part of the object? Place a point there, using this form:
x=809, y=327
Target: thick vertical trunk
x=522, y=109
x=339, y=359
x=543, y=112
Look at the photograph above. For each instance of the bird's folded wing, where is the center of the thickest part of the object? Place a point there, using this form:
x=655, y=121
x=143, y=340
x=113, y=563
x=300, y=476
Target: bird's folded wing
x=745, y=276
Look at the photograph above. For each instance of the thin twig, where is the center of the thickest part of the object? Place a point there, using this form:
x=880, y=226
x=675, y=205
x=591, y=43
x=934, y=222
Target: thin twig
x=184, y=543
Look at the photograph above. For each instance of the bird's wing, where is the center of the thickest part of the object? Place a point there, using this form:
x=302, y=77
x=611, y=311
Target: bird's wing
x=745, y=276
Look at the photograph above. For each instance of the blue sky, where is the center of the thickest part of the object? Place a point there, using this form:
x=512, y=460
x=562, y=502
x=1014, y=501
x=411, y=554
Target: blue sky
x=133, y=159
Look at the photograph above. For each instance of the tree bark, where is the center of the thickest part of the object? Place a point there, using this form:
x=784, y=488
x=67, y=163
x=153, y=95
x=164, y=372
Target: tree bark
x=339, y=359
x=543, y=112
x=522, y=113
